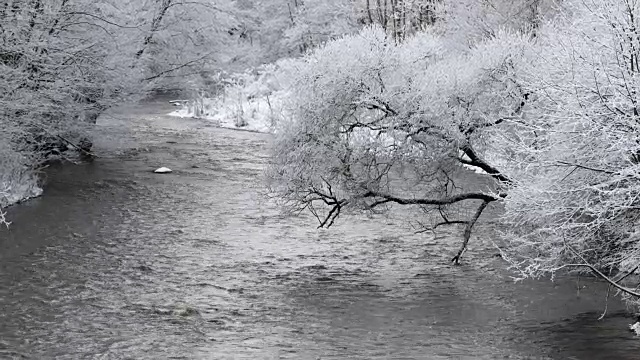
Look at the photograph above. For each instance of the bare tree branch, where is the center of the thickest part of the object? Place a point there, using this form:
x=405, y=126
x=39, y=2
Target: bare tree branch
x=101, y=19
x=181, y=66
x=467, y=231
x=586, y=167
x=611, y=282
x=442, y=223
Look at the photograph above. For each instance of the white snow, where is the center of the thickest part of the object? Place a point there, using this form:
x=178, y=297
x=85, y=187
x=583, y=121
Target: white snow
x=17, y=182
x=21, y=192
x=475, y=169
x=162, y=170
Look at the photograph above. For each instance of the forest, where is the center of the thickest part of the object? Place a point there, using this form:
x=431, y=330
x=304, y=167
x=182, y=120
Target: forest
x=373, y=105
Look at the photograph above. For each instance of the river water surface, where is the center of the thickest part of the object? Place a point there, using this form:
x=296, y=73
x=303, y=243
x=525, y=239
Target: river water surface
x=115, y=262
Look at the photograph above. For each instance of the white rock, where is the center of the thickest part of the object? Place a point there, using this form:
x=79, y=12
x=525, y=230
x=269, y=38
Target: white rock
x=635, y=327
x=162, y=170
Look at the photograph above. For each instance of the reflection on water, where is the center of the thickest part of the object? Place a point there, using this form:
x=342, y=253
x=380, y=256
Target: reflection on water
x=116, y=262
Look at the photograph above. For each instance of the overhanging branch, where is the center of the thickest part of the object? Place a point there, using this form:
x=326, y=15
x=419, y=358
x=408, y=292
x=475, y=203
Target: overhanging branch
x=178, y=67
x=386, y=198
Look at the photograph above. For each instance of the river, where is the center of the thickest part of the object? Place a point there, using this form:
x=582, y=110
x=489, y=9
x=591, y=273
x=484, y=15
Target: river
x=116, y=262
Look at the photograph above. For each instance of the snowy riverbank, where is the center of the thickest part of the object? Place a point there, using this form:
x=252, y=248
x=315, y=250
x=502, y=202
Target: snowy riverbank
x=237, y=110
x=252, y=101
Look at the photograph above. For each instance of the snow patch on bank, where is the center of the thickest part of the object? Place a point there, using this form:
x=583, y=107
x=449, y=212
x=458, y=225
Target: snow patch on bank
x=19, y=191
x=17, y=185
x=17, y=181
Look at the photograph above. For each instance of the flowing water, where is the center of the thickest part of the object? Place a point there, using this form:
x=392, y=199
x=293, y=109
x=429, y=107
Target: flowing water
x=115, y=262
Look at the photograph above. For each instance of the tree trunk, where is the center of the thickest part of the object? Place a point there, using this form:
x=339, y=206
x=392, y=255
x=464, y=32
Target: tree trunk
x=155, y=26
x=369, y=12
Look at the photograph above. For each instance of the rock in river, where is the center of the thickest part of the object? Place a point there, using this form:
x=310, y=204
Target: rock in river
x=162, y=170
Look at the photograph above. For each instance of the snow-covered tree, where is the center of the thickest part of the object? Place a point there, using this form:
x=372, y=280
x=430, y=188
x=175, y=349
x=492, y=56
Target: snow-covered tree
x=576, y=192
x=289, y=28
x=180, y=42
x=399, y=18
x=464, y=22
x=58, y=70
x=373, y=123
